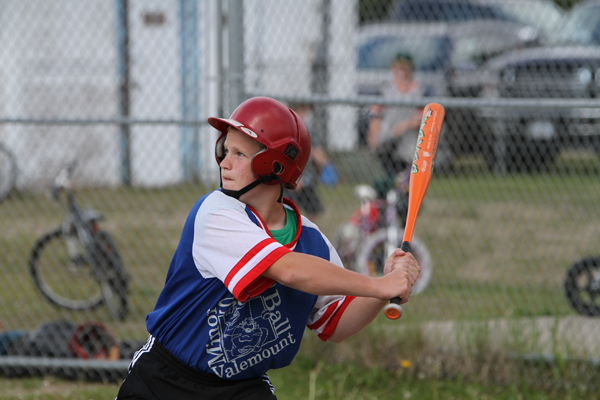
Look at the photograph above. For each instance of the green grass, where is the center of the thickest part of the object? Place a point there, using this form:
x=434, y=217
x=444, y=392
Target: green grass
x=348, y=381
x=312, y=376
x=305, y=381
x=500, y=247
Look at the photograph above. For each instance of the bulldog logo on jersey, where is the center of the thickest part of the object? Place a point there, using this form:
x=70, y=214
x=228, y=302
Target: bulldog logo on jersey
x=246, y=333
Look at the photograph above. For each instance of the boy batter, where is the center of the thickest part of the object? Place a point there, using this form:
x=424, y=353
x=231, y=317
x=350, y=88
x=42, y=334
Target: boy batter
x=250, y=273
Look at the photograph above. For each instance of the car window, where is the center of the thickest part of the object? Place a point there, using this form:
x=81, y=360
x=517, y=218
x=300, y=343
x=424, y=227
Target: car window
x=422, y=10
x=473, y=47
x=429, y=53
x=581, y=26
x=467, y=51
x=543, y=15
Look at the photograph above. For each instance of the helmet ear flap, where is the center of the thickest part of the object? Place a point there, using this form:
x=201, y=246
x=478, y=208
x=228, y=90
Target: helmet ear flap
x=263, y=164
x=220, y=148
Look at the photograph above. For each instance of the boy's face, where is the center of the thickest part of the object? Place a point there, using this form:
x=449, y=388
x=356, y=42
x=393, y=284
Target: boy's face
x=401, y=71
x=236, y=170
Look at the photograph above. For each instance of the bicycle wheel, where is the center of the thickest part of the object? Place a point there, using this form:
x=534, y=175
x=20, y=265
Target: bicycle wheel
x=582, y=286
x=62, y=273
x=8, y=171
x=372, y=256
x=114, y=278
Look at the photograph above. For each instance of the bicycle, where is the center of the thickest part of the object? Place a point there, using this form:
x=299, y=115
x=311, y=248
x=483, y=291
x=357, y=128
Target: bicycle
x=375, y=229
x=8, y=171
x=78, y=266
x=582, y=286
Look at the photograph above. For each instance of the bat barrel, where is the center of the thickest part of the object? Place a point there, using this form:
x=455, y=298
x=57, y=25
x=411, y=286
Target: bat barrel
x=420, y=176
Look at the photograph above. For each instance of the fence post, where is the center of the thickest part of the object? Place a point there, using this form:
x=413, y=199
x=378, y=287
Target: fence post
x=124, y=95
x=189, y=88
x=320, y=78
x=235, y=25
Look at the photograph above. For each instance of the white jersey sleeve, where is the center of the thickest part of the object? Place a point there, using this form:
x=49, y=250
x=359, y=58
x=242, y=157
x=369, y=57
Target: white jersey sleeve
x=229, y=246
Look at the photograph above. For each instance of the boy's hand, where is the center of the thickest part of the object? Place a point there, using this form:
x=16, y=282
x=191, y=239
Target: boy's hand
x=400, y=273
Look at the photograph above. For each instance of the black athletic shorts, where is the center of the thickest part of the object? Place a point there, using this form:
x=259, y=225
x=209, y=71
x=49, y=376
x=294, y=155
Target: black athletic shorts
x=155, y=373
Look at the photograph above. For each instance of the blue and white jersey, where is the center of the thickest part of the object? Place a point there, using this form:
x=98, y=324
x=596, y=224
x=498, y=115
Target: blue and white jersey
x=217, y=313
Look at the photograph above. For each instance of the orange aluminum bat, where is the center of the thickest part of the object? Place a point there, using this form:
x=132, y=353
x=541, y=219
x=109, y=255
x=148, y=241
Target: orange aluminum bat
x=420, y=176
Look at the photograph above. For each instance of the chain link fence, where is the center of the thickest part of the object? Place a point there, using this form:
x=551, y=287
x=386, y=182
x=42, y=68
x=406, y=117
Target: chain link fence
x=119, y=92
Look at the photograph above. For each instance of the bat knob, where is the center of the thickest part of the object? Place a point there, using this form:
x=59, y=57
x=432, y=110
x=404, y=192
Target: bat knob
x=393, y=310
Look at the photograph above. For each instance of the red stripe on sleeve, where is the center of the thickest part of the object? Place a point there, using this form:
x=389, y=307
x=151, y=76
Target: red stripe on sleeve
x=252, y=284
x=325, y=316
x=333, y=322
x=247, y=257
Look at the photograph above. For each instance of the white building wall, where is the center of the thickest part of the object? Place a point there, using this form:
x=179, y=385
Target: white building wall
x=155, y=92
x=59, y=59
x=342, y=123
x=53, y=67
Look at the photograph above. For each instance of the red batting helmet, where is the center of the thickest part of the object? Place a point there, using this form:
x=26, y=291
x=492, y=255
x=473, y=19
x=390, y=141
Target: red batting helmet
x=279, y=129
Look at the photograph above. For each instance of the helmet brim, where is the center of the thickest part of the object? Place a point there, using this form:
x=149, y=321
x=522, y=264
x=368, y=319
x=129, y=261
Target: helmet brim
x=222, y=124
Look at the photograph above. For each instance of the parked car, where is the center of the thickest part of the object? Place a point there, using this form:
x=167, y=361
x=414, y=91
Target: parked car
x=446, y=56
x=567, y=66
x=444, y=11
x=490, y=28
x=543, y=15
x=538, y=19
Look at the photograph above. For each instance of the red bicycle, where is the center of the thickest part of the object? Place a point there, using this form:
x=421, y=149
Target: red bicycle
x=375, y=229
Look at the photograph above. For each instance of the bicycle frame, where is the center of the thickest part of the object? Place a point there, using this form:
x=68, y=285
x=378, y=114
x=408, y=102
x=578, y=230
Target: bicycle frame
x=368, y=215
x=8, y=171
x=84, y=223
x=375, y=213
x=377, y=224
x=390, y=221
x=372, y=215
x=90, y=255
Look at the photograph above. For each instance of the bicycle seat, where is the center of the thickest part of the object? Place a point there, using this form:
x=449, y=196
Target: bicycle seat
x=365, y=192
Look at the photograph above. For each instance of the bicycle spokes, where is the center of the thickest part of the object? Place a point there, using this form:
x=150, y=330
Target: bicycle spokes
x=66, y=280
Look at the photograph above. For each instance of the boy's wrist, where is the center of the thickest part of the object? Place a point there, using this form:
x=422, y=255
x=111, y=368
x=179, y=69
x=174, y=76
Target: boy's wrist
x=378, y=288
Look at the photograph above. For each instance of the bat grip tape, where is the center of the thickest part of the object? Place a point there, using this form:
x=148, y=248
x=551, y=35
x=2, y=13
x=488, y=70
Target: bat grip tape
x=393, y=309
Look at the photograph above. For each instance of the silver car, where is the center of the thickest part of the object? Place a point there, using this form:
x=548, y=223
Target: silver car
x=447, y=58
x=566, y=67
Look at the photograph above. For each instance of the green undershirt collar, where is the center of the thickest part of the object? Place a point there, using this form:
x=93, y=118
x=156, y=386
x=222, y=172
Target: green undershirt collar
x=286, y=234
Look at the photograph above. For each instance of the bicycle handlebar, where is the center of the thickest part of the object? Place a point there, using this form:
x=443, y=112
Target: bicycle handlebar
x=63, y=179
